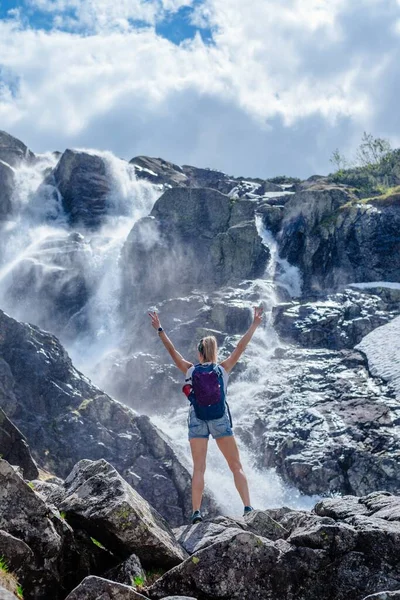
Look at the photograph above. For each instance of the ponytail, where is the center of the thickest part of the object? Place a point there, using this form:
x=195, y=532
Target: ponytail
x=208, y=349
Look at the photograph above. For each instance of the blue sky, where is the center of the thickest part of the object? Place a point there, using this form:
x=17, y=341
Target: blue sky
x=262, y=88
x=175, y=26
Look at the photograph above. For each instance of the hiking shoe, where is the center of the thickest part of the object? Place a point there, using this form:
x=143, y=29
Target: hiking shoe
x=247, y=510
x=196, y=517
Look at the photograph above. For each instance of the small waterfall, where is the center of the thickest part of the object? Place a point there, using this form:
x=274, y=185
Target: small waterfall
x=266, y=487
x=38, y=245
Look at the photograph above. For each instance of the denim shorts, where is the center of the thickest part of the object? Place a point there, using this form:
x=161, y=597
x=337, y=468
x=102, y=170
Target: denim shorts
x=202, y=429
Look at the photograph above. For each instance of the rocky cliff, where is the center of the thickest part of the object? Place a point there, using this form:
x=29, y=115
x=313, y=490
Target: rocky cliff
x=90, y=243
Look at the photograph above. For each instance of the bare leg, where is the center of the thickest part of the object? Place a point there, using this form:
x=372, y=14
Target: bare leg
x=198, y=447
x=229, y=449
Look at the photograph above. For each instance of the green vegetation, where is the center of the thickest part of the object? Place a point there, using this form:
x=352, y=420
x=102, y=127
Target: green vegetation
x=153, y=574
x=31, y=485
x=283, y=180
x=8, y=580
x=195, y=560
x=63, y=514
x=84, y=404
x=374, y=170
x=97, y=543
x=137, y=581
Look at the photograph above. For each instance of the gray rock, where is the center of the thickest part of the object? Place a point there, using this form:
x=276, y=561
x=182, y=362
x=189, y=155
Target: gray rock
x=6, y=594
x=127, y=571
x=336, y=321
x=14, y=447
x=196, y=537
x=268, y=186
x=14, y=551
x=327, y=425
x=162, y=251
x=179, y=598
x=384, y=596
x=336, y=240
x=322, y=559
x=13, y=151
x=208, y=178
x=84, y=185
x=159, y=171
x=94, y=588
x=66, y=418
x=6, y=190
x=267, y=523
x=46, y=541
x=100, y=501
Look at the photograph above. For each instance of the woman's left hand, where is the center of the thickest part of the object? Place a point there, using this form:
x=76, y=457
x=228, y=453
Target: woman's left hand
x=155, y=321
x=258, y=315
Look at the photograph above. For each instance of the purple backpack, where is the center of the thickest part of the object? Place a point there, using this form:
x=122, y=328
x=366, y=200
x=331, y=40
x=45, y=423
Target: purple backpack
x=208, y=393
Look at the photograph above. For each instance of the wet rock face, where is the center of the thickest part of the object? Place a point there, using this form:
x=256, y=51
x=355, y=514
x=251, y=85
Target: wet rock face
x=84, y=185
x=189, y=240
x=14, y=447
x=325, y=424
x=66, y=418
x=335, y=321
x=6, y=190
x=13, y=151
x=335, y=240
x=58, y=278
x=316, y=556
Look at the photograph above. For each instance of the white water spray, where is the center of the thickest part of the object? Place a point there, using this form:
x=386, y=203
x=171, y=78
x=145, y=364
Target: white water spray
x=245, y=396
x=39, y=220
x=27, y=249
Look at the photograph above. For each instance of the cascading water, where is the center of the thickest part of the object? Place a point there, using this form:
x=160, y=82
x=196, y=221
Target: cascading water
x=266, y=487
x=39, y=248
x=32, y=243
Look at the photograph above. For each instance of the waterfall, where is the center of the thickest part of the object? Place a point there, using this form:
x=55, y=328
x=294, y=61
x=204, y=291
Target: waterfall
x=266, y=488
x=38, y=244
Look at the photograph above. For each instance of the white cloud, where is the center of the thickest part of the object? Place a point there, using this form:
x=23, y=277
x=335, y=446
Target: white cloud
x=274, y=68
x=106, y=15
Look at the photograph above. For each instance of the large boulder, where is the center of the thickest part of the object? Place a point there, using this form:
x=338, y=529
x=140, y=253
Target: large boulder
x=47, y=553
x=94, y=588
x=14, y=447
x=13, y=151
x=336, y=240
x=189, y=240
x=316, y=557
x=6, y=190
x=84, y=186
x=98, y=500
x=65, y=418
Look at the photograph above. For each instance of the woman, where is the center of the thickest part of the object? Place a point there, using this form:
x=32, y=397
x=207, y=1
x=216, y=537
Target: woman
x=220, y=428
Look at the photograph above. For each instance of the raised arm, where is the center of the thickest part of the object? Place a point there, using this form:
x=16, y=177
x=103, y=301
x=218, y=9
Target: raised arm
x=231, y=361
x=182, y=364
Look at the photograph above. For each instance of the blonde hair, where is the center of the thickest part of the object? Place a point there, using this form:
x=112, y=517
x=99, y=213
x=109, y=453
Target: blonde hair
x=208, y=348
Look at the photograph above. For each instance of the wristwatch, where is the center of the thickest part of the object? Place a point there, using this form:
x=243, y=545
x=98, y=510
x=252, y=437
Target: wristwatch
x=160, y=330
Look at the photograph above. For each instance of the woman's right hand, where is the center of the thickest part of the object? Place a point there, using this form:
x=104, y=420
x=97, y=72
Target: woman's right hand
x=155, y=321
x=258, y=315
